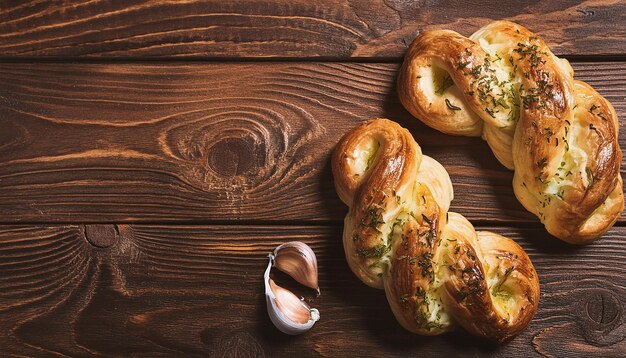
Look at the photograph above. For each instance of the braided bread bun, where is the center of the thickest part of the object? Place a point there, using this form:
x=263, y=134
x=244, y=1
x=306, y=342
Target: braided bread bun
x=558, y=134
x=437, y=271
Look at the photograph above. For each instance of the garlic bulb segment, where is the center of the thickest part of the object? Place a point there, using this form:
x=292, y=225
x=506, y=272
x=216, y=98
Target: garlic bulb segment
x=289, y=314
x=298, y=260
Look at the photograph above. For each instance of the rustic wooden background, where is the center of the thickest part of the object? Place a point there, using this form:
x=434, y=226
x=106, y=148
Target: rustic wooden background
x=152, y=154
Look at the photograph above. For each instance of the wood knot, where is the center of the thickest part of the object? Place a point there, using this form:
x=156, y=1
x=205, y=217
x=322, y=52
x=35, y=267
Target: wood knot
x=602, y=307
x=101, y=235
x=602, y=317
x=232, y=157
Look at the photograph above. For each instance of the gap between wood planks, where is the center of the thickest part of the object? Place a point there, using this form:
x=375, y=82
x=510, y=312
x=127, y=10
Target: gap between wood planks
x=196, y=59
x=265, y=223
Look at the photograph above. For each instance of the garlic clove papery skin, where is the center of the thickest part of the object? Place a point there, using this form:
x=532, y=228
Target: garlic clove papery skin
x=288, y=313
x=298, y=260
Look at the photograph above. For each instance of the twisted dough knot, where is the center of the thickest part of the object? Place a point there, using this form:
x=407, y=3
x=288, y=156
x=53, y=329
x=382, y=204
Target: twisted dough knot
x=435, y=268
x=559, y=135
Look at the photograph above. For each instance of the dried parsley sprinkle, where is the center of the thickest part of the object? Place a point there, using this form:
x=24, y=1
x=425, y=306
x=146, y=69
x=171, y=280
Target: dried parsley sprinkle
x=498, y=287
x=473, y=280
x=377, y=251
x=532, y=96
x=500, y=102
x=475, y=71
x=485, y=85
x=462, y=65
x=430, y=325
x=372, y=218
x=530, y=51
x=424, y=262
x=599, y=114
x=451, y=106
x=560, y=193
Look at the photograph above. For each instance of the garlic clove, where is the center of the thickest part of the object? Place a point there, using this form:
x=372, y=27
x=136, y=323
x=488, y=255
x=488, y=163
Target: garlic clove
x=288, y=313
x=298, y=260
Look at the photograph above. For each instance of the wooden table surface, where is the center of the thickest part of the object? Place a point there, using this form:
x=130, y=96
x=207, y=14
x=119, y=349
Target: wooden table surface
x=153, y=154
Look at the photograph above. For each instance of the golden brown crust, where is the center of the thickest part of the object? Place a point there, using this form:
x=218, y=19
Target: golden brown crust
x=436, y=270
x=558, y=134
x=604, y=158
x=516, y=274
x=366, y=187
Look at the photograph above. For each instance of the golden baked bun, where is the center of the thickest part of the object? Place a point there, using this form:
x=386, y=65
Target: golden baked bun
x=558, y=134
x=437, y=271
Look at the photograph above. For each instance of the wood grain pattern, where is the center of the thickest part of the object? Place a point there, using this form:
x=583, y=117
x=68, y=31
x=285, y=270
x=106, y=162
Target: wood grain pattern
x=197, y=290
x=151, y=192
x=262, y=28
x=227, y=142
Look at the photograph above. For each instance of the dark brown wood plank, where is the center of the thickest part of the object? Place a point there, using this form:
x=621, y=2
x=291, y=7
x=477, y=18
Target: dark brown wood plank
x=300, y=28
x=193, y=290
x=197, y=142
